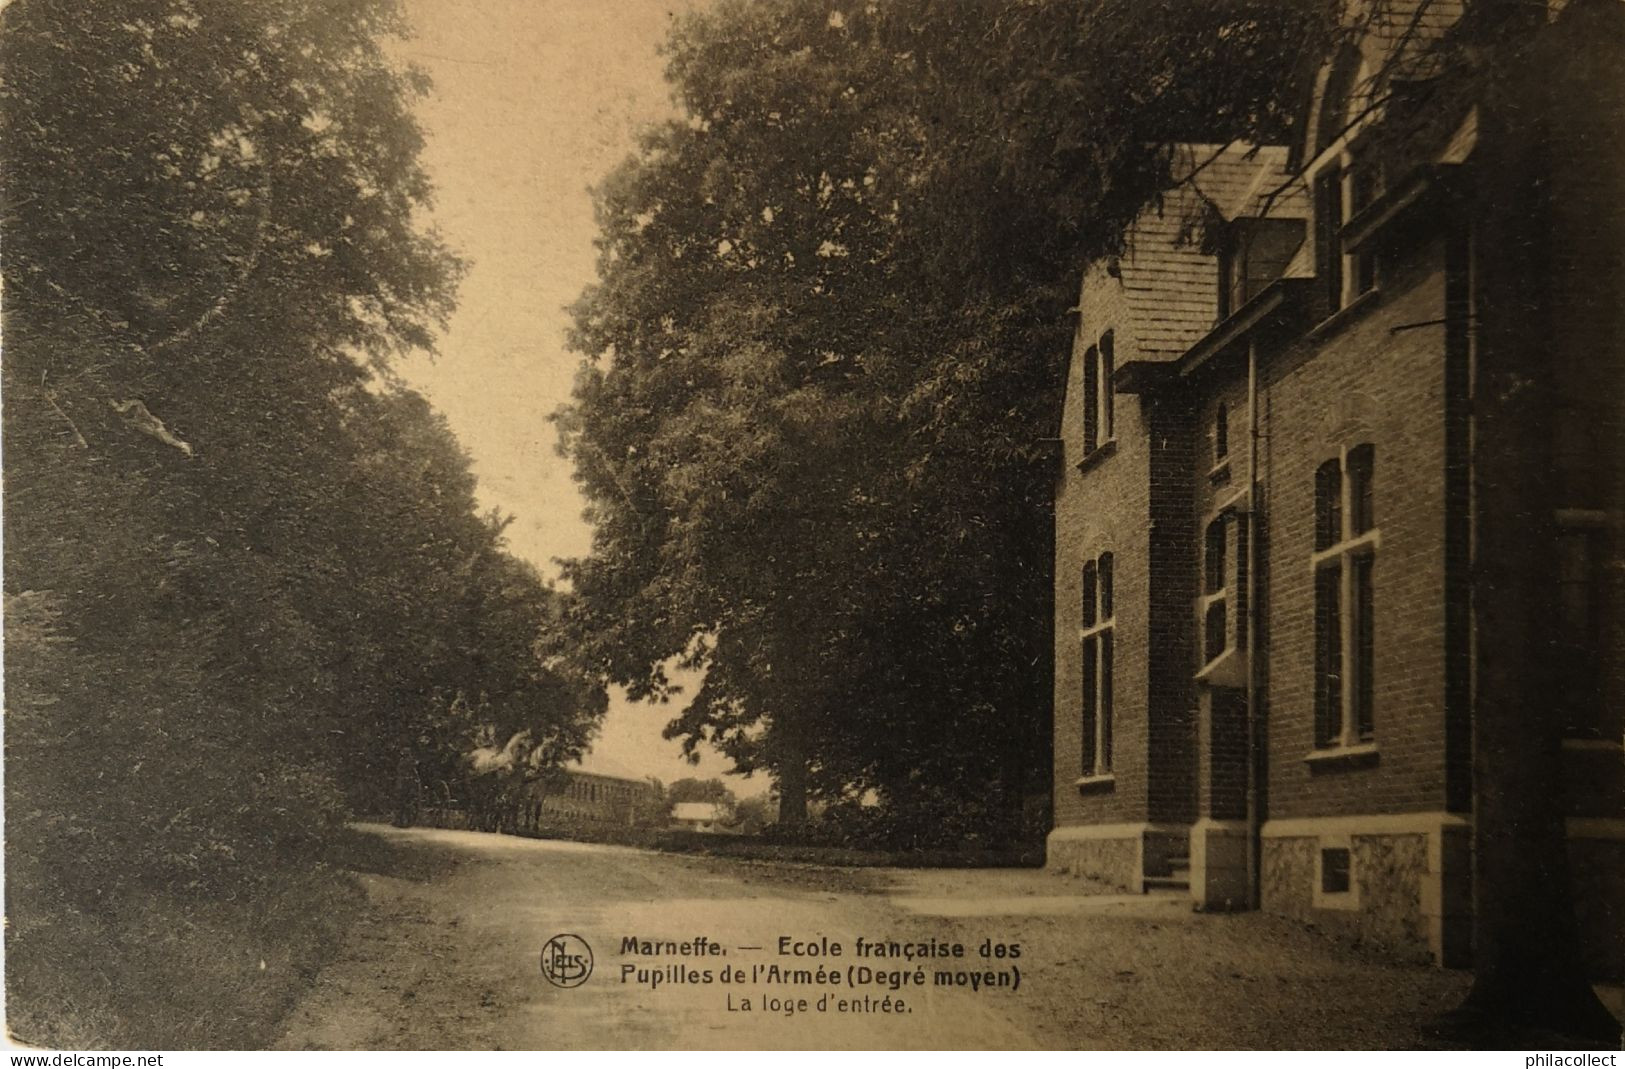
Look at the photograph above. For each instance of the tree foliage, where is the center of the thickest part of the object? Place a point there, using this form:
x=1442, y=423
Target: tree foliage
x=824, y=353
x=691, y=789
x=244, y=567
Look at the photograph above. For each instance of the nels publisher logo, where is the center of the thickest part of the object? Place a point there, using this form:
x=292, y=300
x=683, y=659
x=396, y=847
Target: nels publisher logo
x=566, y=960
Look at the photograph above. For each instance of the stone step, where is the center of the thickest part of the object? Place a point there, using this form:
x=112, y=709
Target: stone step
x=1175, y=885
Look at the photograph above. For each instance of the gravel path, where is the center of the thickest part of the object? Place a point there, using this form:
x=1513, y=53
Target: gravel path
x=448, y=957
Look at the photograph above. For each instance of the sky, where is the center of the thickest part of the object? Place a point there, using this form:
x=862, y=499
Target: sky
x=534, y=102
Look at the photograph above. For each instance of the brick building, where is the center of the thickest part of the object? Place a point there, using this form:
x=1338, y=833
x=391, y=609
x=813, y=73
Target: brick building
x=591, y=796
x=1267, y=675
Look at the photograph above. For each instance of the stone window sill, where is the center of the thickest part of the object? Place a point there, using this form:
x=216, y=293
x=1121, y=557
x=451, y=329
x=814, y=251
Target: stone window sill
x=1220, y=473
x=1098, y=454
x=1228, y=669
x=1360, y=754
x=1096, y=784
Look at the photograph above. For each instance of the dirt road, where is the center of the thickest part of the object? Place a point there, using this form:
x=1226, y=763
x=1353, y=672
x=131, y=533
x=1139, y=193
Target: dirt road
x=449, y=956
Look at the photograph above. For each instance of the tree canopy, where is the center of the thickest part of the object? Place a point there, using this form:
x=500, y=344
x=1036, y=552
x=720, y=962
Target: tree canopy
x=244, y=566
x=825, y=351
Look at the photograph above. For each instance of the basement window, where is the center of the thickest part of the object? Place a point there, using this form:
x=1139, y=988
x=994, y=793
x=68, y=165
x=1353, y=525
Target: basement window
x=1334, y=871
x=1336, y=884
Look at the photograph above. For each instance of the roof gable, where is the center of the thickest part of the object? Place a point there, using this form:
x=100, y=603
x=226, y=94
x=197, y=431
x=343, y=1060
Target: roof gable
x=1167, y=283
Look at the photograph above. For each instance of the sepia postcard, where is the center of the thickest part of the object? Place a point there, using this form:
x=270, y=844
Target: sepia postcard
x=813, y=525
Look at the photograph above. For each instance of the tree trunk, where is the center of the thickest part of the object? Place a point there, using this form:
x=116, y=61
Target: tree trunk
x=792, y=783
x=1528, y=973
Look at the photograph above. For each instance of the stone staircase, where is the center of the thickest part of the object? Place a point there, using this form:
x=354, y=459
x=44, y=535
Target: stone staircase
x=1175, y=881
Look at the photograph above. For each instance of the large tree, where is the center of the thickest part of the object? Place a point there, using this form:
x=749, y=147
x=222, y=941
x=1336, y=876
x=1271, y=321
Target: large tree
x=243, y=568
x=824, y=352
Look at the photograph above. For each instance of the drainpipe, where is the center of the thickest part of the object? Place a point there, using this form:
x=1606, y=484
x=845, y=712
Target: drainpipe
x=1254, y=816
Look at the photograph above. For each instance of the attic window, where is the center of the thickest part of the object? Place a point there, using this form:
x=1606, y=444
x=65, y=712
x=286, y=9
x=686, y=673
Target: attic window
x=1347, y=182
x=1255, y=254
x=1098, y=364
x=1333, y=115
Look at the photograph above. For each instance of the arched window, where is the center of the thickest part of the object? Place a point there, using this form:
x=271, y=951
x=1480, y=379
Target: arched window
x=1345, y=186
x=1332, y=117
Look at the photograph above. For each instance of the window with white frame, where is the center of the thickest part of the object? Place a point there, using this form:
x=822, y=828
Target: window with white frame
x=1344, y=557
x=1098, y=365
x=1215, y=623
x=1345, y=185
x=1098, y=620
x=1224, y=575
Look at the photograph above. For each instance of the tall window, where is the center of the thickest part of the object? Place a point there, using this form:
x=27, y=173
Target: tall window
x=1097, y=626
x=1223, y=607
x=1343, y=189
x=1346, y=541
x=1091, y=400
x=1215, y=628
x=1107, y=365
x=1098, y=364
x=1328, y=242
x=1221, y=433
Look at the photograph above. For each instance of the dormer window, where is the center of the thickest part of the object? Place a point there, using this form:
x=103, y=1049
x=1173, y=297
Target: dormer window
x=1345, y=185
x=1255, y=253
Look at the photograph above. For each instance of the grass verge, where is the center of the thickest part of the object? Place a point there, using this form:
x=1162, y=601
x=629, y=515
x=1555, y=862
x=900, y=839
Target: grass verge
x=168, y=973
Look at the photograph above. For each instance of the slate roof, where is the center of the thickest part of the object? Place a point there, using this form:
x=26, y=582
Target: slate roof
x=1170, y=286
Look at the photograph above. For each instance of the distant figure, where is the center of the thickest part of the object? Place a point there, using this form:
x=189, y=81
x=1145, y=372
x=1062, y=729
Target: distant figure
x=408, y=792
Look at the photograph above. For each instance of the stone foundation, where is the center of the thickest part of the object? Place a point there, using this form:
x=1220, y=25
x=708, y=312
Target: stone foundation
x=1218, y=862
x=1118, y=855
x=1409, y=881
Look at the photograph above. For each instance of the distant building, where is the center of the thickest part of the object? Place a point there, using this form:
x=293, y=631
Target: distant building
x=703, y=816
x=593, y=795
x=1265, y=677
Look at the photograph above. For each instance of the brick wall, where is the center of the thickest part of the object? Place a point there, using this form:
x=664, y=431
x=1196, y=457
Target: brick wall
x=1219, y=711
x=1103, y=508
x=1365, y=383
x=1173, y=743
